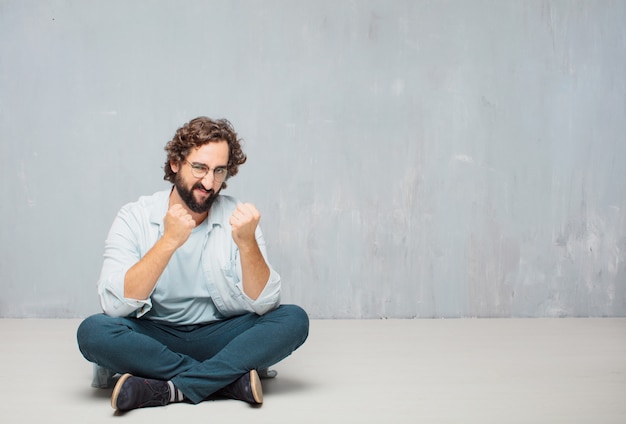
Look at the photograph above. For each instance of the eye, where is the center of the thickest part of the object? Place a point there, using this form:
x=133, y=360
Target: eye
x=200, y=168
x=220, y=171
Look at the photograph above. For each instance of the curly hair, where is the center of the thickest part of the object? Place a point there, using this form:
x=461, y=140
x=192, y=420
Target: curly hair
x=197, y=133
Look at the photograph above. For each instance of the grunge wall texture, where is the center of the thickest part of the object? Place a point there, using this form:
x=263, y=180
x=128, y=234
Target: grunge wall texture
x=409, y=158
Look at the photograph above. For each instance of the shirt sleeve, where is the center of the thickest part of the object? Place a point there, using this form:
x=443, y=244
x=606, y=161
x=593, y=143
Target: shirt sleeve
x=121, y=251
x=269, y=298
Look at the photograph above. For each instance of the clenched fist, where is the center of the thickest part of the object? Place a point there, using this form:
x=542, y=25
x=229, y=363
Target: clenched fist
x=244, y=221
x=178, y=225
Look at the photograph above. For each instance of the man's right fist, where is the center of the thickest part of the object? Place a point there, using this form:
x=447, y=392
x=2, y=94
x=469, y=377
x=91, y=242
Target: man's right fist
x=178, y=225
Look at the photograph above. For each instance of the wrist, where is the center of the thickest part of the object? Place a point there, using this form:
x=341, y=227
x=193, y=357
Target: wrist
x=167, y=243
x=247, y=245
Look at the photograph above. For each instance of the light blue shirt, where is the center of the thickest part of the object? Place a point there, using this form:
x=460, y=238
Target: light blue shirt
x=202, y=281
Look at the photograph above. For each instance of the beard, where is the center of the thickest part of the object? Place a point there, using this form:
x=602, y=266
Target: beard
x=188, y=196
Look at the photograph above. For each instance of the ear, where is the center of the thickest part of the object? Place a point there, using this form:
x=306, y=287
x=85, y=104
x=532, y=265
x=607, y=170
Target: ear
x=174, y=166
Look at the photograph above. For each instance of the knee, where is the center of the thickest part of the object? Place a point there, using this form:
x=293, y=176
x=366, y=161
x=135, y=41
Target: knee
x=88, y=333
x=89, y=325
x=298, y=321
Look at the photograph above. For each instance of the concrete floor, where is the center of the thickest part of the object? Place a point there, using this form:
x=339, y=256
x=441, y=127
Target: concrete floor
x=370, y=371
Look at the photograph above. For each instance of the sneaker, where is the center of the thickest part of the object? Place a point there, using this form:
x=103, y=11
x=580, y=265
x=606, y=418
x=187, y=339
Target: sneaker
x=135, y=392
x=103, y=378
x=267, y=373
x=247, y=388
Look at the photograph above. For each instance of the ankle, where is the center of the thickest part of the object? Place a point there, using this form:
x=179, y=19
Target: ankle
x=176, y=395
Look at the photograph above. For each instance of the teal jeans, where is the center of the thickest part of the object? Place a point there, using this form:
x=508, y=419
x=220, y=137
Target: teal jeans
x=198, y=359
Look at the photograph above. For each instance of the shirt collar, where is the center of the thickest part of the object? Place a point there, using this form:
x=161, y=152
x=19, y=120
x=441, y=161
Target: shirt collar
x=216, y=213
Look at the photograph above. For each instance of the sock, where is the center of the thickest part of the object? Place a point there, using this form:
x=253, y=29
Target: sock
x=175, y=394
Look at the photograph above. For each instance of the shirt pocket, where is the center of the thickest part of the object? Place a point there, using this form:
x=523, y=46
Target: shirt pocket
x=231, y=276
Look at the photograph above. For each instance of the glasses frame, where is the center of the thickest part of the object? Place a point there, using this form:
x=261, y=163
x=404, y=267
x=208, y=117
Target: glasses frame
x=200, y=170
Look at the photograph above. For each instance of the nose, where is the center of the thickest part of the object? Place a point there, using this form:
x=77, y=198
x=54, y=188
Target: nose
x=210, y=177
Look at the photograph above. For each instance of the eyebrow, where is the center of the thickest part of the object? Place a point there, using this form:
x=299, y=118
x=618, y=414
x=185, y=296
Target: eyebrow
x=207, y=166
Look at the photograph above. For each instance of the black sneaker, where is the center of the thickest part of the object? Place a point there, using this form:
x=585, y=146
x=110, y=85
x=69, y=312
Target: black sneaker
x=247, y=388
x=135, y=392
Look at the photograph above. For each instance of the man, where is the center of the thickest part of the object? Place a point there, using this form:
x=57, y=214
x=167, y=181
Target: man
x=191, y=304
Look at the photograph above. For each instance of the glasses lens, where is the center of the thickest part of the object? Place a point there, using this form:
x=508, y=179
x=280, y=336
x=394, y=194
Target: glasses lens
x=198, y=171
x=220, y=174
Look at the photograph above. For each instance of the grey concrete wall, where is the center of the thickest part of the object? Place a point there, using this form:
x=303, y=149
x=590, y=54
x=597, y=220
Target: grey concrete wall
x=410, y=158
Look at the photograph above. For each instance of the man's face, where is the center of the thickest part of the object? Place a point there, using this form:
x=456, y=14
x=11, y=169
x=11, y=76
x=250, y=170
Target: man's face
x=199, y=193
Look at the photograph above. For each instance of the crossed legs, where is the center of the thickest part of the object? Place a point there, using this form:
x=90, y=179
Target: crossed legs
x=198, y=359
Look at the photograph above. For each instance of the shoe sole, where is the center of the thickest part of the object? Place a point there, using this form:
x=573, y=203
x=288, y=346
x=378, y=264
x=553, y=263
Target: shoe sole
x=256, y=387
x=117, y=389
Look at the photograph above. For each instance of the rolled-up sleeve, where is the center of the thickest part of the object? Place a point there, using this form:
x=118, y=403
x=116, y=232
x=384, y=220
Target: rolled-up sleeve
x=269, y=298
x=122, y=249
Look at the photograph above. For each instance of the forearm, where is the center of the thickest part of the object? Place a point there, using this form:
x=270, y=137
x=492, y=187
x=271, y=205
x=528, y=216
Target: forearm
x=254, y=270
x=141, y=278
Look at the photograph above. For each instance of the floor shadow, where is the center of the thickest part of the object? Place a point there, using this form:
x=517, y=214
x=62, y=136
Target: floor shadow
x=280, y=385
x=101, y=393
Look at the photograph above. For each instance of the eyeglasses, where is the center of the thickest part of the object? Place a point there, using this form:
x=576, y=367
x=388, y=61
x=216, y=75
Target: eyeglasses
x=200, y=170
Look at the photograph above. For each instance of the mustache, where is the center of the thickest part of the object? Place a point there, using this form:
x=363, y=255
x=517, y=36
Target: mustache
x=202, y=187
